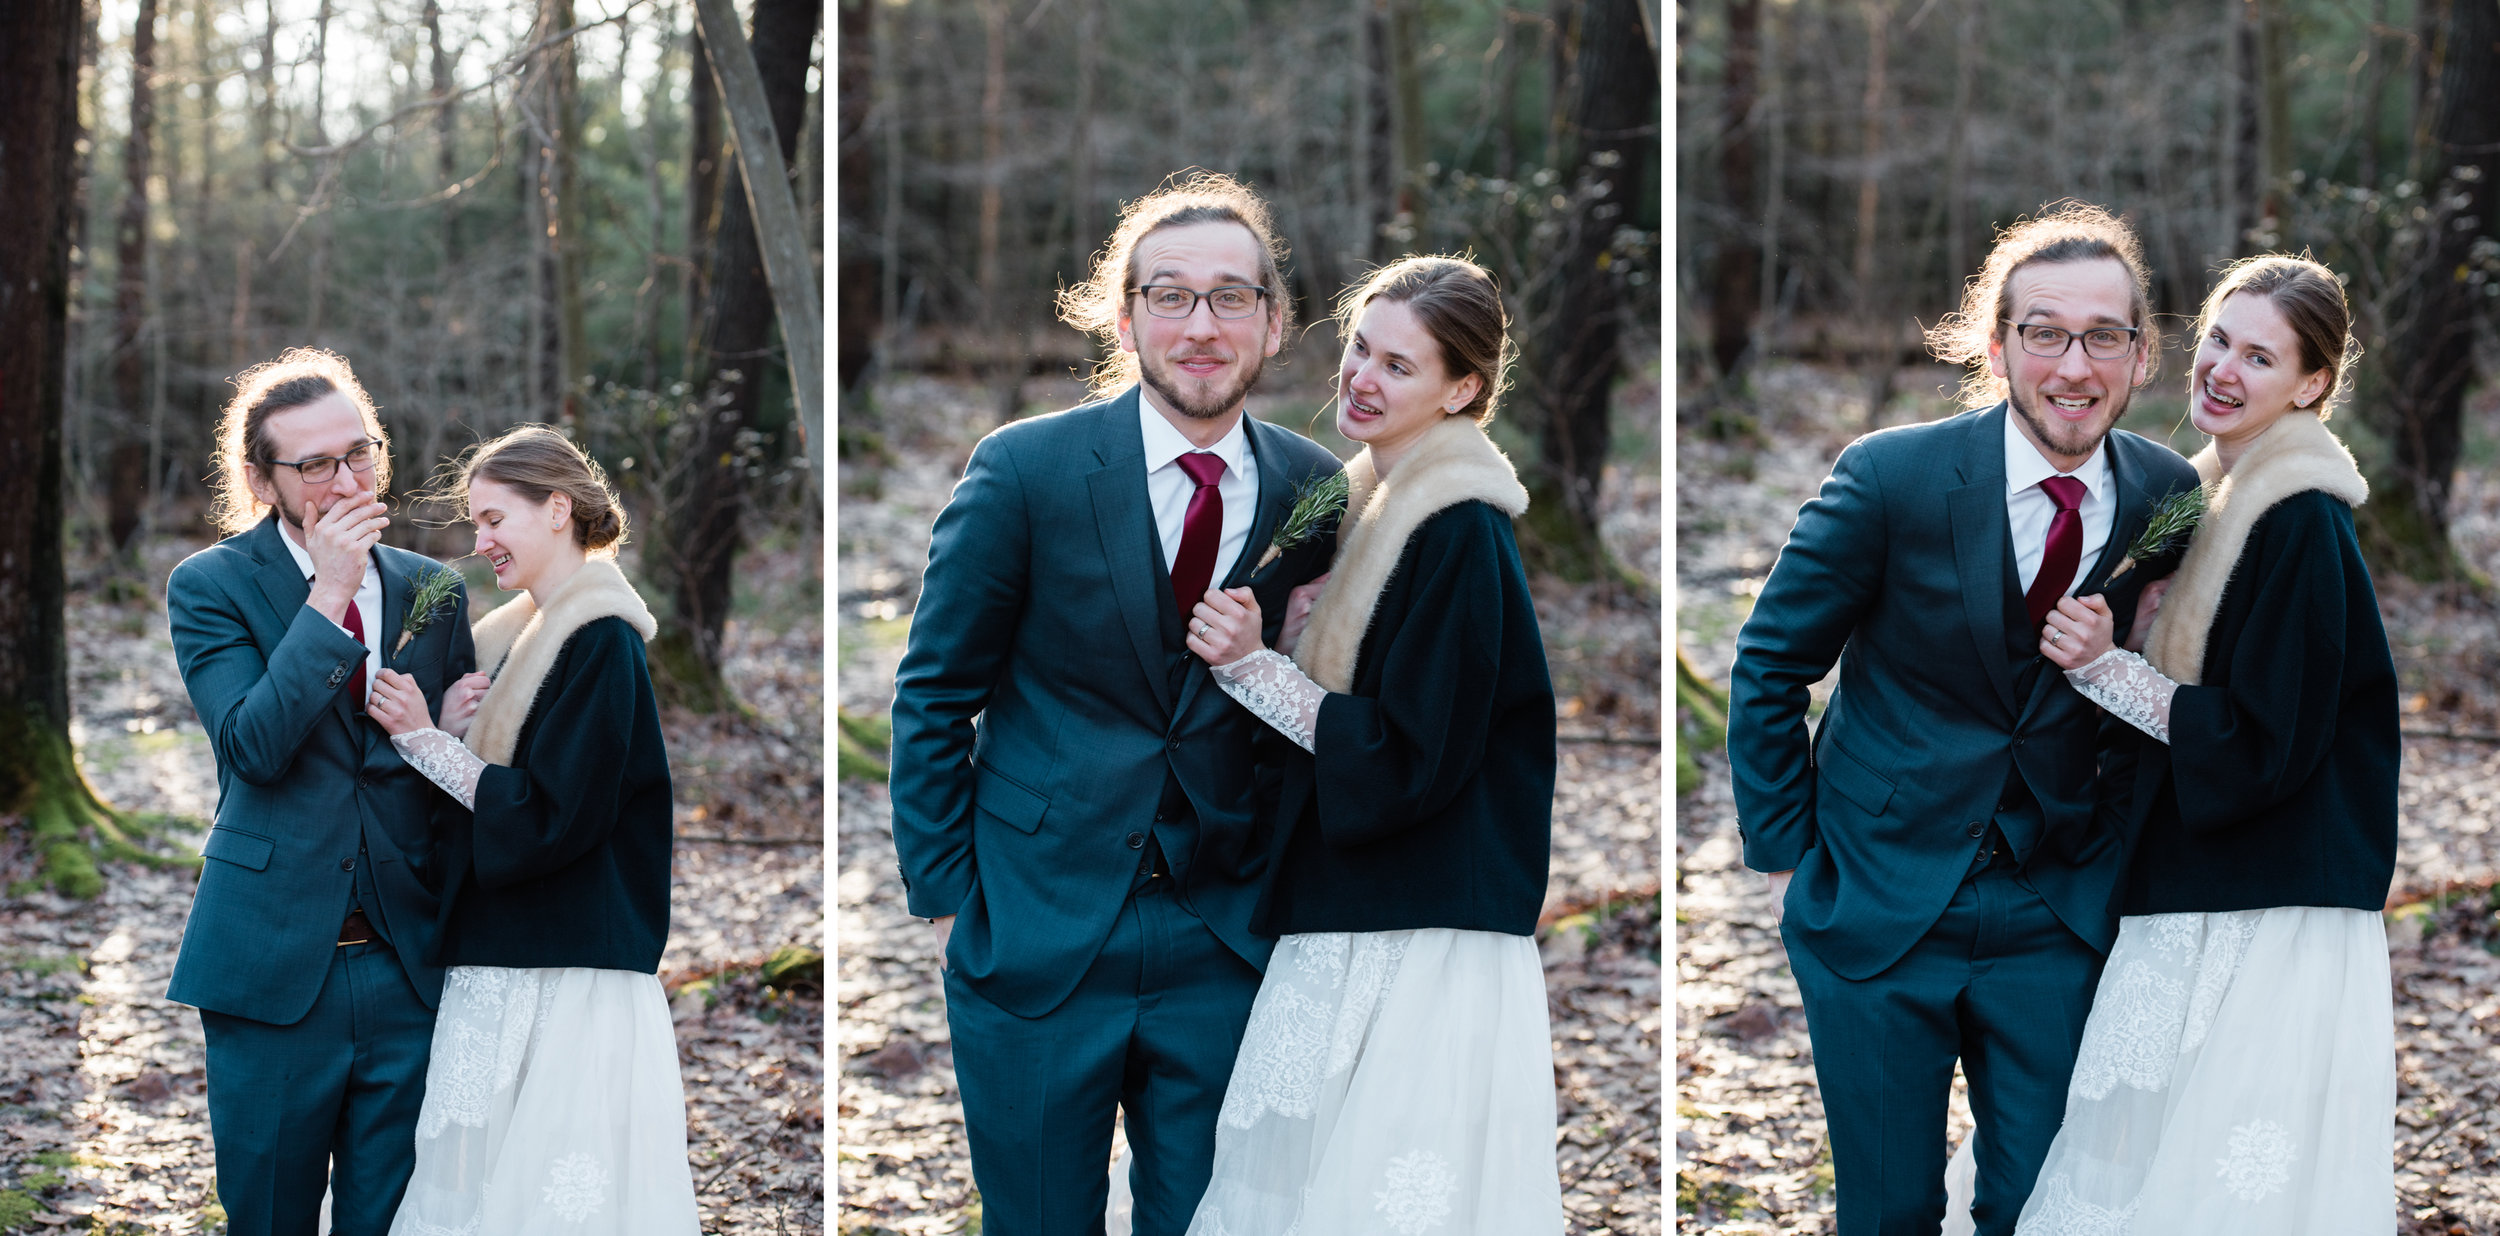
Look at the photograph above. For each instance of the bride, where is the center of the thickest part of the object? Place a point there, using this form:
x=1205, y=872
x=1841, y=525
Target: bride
x=552, y=1101
x=1396, y=1075
x=2237, y=1073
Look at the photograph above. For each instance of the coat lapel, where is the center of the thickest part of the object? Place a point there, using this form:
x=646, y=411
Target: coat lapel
x=1275, y=496
x=2128, y=511
x=282, y=583
x=1125, y=522
x=1976, y=510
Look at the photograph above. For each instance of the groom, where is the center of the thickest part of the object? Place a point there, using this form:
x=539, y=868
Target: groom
x=1086, y=849
x=1946, y=884
x=305, y=951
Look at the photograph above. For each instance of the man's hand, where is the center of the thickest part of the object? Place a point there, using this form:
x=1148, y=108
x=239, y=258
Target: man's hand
x=1779, y=892
x=1224, y=626
x=398, y=704
x=945, y=928
x=2147, y=607
x=1298, y=614
x=337, y=543
x=460, y=703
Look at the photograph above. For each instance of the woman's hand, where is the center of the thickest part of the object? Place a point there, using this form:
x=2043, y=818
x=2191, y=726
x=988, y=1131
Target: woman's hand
x=398, y=704
x=2147, y=606
x=460, y=703
x=1224, y=626
x=2077, y=632
x=1298, y=614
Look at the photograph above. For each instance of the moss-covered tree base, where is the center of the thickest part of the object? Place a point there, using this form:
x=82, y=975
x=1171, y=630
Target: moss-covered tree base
x=2397, y=538
x=66, y=823
x=684, y=679
x=1552, y=542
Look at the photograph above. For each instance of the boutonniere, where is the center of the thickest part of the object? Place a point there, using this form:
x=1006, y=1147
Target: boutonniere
x=431, y=600
x=1317, y=502
x=2166, y=533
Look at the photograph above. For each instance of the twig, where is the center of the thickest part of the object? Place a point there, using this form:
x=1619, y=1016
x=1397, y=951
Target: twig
x=1611, y=1147
x=718, y=839
x=2452, y=735
x=1611, y=739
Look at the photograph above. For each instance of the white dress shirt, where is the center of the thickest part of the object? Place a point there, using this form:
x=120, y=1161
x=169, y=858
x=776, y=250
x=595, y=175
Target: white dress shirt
x=2028, y=508
x=1169, y=489
x=368, y=603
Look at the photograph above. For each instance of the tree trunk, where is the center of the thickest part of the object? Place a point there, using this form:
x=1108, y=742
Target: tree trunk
x=559, y=354
x=703, y=176
x=446, y=131
x=856, y=276
x=1874, y=334
x=48, y=804
x=1733, y=295
x=2430, y=355
x=700, y=533
x=993, y=158
x=1410, y=124
x=1608, y=58
x=126, y=468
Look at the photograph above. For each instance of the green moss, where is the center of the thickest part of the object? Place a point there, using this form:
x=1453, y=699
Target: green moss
x=792, y=967
x=17, y=1209
x=860, y=745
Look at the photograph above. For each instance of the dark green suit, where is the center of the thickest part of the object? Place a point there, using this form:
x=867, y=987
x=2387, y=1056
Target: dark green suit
x=1078, y=982
x=316, y=1050
x=1916, y=934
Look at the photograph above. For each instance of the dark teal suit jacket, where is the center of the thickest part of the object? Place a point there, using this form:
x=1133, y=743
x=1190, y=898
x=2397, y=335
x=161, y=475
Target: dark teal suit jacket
x=1040, y=616
x=1900, y=570
x=303, y=780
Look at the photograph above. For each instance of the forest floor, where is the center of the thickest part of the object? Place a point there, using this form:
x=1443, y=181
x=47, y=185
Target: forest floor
x=103, y=1123
x=901, y=1157
x=1750, y=1130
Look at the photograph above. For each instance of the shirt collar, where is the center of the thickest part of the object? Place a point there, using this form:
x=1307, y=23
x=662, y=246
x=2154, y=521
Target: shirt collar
x=2026, y=467
x=1165, y=444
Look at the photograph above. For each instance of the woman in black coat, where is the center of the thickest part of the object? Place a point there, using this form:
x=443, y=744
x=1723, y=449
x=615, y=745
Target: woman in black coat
x=552, y=1096
x=1396, y=1073
x=2237, y=1074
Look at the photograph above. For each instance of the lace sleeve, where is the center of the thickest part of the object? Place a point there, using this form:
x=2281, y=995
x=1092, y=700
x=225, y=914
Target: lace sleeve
x=2130, y=688
x=443, y=760
x=1276, y=691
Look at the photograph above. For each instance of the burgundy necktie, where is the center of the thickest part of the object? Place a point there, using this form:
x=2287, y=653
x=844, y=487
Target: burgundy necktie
x=1202, y=527
x=355, y=625
x=2065, y=549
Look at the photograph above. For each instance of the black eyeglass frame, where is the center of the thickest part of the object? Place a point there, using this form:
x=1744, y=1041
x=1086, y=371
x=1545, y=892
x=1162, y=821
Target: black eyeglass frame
x=2134, y=334
x=366, y=448
x=1258, y=295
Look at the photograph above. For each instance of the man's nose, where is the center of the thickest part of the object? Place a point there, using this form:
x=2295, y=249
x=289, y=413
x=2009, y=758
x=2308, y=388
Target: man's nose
x=2075, y=365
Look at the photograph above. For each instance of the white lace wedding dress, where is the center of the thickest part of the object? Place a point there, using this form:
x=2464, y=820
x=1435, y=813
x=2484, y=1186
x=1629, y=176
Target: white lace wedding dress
x=2237, y=1073
x=1389, y=1082
x=552, y=1101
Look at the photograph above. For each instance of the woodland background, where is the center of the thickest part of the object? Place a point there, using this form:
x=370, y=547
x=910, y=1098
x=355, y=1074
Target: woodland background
x=499, y=212
x=984, y=151
x=1843, y=166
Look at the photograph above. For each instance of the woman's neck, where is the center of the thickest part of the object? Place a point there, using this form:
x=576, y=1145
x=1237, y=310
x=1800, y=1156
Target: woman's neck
x=544, y=588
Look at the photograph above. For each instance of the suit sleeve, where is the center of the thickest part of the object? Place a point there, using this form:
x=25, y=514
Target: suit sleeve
x=256, y=708
x=563, y=799
x=1825, y=581
x=2240, y=749
x=1382, y=764
x=962, y=632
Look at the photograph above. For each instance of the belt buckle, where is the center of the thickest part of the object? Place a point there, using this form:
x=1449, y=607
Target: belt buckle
x=358, y=925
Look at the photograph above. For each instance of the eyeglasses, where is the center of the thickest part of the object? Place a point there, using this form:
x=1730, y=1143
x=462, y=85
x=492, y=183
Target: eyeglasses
x=320, y=468
x=2099, y=343
x=1232, y=302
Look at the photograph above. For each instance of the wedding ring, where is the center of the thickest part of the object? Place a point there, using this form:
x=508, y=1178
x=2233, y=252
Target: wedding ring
x=2056, y=636
x=1202, y=630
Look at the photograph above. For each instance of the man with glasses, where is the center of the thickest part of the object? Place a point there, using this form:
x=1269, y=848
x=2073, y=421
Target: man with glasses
x=306, y=949
x=1086, y=852
x=1937, y=865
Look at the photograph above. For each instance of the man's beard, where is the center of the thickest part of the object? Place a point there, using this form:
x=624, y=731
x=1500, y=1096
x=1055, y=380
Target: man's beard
x=1159, y=378
x=2071, y=441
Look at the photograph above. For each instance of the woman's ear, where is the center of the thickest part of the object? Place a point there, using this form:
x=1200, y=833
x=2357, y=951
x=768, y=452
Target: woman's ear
x=559, y=510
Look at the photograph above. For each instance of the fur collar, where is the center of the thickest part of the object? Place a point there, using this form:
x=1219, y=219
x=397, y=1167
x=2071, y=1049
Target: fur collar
x=2296, y=455
x=518, y=643
x=1453, y=463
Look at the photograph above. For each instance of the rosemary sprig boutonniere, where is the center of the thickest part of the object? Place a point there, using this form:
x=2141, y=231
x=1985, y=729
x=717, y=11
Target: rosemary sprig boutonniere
x=430, y=600
x=2166, y=531
x=1316, y=503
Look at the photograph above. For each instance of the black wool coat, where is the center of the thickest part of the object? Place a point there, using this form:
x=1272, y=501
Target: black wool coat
x=1429, y=800
x=2278, y=786
x=564, y=861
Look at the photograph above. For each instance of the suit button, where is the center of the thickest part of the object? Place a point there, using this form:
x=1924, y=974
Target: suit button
x=1976, y=828
x=1137, y=841
x=2018, y=740
x=347, y=864
x=1175, y=744
x=1163, y=817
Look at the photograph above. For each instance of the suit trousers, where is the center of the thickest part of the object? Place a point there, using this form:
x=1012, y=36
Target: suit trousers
x=1151, y=1030
x=331, y=1099
x=1999, y=982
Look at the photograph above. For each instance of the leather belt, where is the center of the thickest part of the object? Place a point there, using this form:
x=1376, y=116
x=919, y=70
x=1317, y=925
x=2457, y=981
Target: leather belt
x=356, y=930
